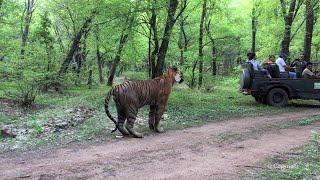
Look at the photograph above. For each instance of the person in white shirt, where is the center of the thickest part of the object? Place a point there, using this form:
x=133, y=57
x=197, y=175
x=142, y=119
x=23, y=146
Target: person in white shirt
x=282, y=67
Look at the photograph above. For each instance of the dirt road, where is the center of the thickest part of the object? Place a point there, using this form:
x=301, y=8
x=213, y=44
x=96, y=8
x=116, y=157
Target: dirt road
x=214, y=150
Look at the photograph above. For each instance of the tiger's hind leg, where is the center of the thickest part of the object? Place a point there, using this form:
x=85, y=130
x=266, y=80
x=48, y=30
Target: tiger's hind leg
x=131, y=118
x=129, y=126
x=158, y=116
x=121, y=120
x=152, y=115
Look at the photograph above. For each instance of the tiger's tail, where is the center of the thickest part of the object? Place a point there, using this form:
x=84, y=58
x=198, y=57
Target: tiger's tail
x=106, y=103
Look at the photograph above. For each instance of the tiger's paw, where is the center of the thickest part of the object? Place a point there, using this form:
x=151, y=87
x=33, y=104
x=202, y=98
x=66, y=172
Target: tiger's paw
x=159, y=130
x=138, y=135
x=151, y=127
x=133, y=132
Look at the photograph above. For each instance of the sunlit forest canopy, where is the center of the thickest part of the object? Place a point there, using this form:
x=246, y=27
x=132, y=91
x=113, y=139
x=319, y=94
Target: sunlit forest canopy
x=92, y=41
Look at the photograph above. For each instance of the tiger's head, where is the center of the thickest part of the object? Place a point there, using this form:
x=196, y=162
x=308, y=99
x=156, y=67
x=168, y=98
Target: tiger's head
x=176, y=74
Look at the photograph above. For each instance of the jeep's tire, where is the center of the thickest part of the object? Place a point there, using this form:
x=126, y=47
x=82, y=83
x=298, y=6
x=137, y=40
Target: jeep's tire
x=245, y=79
x=277, y=97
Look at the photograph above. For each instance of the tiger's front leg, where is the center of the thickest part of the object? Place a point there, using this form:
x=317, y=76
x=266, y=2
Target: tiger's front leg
x=159, y=114
x=152, y=116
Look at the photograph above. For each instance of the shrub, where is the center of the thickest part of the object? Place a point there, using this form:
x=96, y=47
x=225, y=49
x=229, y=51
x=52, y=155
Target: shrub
x=27, y=88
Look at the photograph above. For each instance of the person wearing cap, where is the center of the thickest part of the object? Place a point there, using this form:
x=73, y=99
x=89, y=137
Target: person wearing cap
x=308, y=73
x=282, y=67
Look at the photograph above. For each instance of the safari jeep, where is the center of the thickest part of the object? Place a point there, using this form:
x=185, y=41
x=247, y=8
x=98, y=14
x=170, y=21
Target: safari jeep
x=276, y=91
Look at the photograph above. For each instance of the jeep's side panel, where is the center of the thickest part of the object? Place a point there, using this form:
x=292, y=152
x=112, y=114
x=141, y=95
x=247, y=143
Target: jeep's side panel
x=307, y=88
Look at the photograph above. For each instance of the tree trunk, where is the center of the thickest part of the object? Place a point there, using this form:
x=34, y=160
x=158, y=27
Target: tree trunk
x=201, y=31
x=193, y=78
x=288, y=20
x=309, y=29
x=90, y=79
x=166, y=38
x=153, y=29
x=1, y=2
x=213, y=49
x=123, y=40
x=99, y=57
x=75, y=44
x=254, y=29
x=182, y=44
x=49, y=48
x=214, y=59
x=149, y=54
x=29, y=8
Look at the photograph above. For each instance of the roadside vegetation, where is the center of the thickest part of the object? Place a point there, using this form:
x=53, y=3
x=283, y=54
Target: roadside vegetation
x=301, y=164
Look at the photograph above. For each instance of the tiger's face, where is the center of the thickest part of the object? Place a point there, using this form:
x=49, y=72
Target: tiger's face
x=178, y=76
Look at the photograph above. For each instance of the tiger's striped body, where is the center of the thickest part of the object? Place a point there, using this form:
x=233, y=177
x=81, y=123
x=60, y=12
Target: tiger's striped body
x=132, y=95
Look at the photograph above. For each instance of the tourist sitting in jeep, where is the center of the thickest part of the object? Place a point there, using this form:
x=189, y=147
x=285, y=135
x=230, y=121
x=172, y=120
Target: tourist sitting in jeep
x=270, y=60
x=308, y=72
x=255, y=64
x=299, y=65
x=282, y=67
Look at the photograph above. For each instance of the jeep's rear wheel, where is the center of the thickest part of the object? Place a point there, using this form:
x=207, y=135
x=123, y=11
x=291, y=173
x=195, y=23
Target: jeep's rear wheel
x=277, y=97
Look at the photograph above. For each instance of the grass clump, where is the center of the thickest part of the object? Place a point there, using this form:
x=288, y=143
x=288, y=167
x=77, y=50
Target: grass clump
x=305, y=165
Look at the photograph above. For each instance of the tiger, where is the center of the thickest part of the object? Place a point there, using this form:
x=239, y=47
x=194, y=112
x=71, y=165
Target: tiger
x=132, y=95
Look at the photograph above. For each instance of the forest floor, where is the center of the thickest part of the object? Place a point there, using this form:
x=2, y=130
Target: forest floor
x=229, y=149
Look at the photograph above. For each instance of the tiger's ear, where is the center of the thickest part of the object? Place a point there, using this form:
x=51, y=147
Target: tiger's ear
x=174, y=68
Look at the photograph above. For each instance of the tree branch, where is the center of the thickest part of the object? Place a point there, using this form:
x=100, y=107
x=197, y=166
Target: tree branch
x=183, y=7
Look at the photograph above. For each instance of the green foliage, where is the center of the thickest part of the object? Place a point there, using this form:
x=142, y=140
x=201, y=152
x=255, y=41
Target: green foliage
x=26, y=89
x=43, y=32
x=4, y=119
